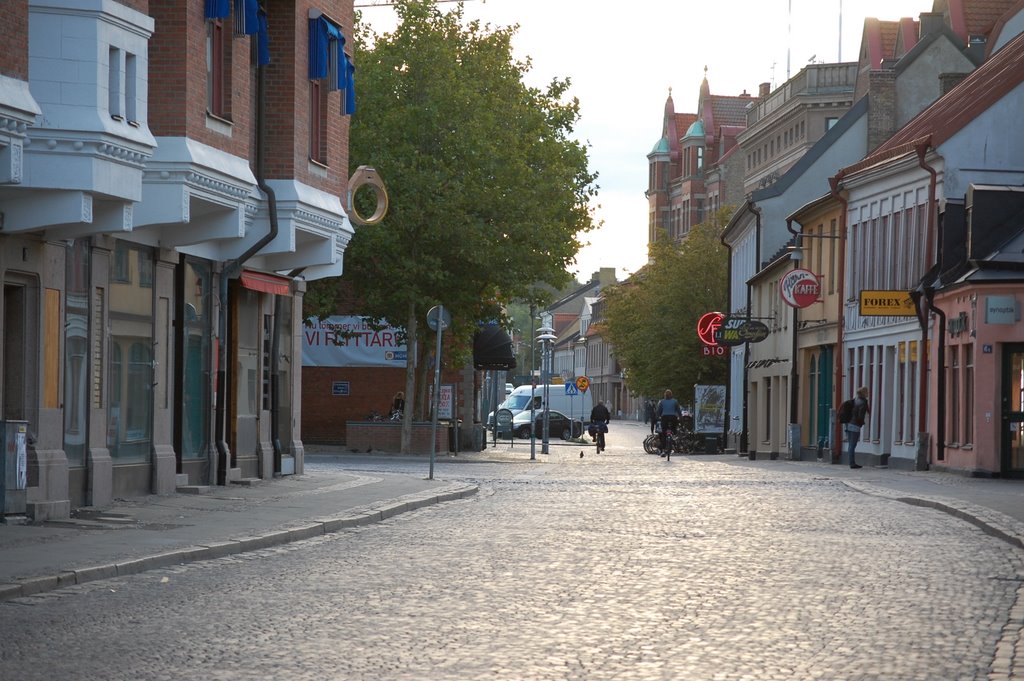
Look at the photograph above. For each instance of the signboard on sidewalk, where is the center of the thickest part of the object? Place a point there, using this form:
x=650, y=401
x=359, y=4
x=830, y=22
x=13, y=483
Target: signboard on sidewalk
x=445, y=401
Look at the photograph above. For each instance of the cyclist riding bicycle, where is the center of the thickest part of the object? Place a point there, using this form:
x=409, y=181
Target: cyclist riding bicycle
x=599, y=418
x=668, y=413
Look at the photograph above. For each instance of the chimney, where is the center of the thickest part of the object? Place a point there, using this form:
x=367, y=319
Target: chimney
x=948, y=81
x=976, y=48
x=931, y=22
x=764, y=89
x=882, y=110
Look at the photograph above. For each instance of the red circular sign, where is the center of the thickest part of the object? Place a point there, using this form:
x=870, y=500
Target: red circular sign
x=707, y=325
x=800, y=288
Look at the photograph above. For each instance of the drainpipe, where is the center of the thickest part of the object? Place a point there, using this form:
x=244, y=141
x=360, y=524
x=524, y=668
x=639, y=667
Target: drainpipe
x=746, y=346
x=232, y=269
x=728, y=384
x=940, y=396
x=794, y=374
x=922, y=447
x=839, y=358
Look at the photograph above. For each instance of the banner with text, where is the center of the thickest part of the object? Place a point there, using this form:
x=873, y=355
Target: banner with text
x=350, y=341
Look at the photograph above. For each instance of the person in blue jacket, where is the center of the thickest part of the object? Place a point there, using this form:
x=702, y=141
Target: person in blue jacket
x=668, y=413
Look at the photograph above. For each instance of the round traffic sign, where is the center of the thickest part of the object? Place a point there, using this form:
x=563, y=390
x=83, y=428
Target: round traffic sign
x=582, y=382
x=438, y=315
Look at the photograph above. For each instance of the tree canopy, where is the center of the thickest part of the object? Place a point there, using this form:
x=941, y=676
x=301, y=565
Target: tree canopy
x=651, y=319
x=488, y=191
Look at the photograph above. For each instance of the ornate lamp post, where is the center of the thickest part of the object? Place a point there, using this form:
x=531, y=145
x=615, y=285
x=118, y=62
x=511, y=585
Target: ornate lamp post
x=546, y=336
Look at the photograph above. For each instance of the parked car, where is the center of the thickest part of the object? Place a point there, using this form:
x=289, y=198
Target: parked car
x=559, y=425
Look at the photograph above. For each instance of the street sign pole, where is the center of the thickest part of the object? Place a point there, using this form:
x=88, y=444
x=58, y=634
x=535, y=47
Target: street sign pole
x=437, y=319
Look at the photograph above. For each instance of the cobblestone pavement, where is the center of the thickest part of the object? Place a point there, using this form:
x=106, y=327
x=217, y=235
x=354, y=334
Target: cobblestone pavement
x=618, y=565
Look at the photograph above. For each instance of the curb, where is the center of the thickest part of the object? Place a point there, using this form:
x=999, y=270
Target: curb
x=993, y=523
x=355, y=517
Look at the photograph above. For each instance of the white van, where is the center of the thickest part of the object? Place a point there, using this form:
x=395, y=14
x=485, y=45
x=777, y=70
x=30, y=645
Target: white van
x=576, y=406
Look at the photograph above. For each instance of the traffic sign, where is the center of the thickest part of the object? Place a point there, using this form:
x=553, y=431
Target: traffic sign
x=570, y=389
x=437, y=315
x=582, y=382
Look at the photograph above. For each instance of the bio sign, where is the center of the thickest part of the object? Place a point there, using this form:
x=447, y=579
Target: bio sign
x=737, y=331
x=800, y=288
x=707, y=328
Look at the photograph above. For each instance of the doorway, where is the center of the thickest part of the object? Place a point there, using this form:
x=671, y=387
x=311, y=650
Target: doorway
x=1012, y=447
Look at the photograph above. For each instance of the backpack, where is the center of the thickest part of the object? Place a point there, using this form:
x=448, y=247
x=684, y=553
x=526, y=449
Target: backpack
x=846, y=411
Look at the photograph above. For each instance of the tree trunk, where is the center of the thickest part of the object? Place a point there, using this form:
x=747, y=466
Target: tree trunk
x=410, y=378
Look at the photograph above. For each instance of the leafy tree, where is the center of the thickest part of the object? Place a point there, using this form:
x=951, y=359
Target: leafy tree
x=487, y=190
x=651, y=319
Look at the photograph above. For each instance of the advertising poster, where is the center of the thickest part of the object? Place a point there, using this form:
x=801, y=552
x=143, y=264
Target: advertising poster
x=350, y=341
x=709, y=409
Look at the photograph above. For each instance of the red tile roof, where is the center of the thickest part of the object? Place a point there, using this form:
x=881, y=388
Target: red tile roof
x=977, y=17
x=730, y=110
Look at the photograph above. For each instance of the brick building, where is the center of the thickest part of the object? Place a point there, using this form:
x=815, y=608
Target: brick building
x=172, y=174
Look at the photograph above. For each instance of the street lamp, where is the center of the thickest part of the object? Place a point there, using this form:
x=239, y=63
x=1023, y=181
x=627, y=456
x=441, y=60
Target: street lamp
x=582, y=343
x=546, y=336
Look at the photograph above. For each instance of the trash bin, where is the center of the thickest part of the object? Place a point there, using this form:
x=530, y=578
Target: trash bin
x=454, y=427
x=710, y=444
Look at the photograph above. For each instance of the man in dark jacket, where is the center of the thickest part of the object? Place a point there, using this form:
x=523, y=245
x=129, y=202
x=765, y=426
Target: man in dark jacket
x=859, y=416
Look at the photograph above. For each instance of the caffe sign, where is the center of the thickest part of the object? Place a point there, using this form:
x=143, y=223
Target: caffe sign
x=800, y=288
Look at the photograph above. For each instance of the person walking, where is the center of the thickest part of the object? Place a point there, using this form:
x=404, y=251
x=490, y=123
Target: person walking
x=668, y=412
x=599, y=418
x=858, y=417
x=649, y=416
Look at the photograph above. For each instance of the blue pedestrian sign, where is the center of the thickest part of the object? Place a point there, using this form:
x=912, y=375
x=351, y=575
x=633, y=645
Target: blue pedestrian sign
x=571, y=389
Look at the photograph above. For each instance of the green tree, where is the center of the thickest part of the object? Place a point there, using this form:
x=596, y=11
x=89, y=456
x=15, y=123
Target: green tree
x=488, y=191
x=651, y=319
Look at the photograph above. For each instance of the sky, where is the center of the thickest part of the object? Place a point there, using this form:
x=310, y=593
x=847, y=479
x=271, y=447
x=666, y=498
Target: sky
x=623, y=58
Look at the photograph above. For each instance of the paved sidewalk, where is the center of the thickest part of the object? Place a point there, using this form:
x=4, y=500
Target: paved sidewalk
x=143, y=533
x=138, y=534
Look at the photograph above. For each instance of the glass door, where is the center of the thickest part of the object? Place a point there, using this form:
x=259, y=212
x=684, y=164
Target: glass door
x=1013, y=411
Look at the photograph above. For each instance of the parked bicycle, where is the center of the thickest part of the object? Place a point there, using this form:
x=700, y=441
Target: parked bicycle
x=682, y=441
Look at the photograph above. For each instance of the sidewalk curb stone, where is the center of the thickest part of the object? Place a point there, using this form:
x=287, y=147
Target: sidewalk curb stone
x=210, y=550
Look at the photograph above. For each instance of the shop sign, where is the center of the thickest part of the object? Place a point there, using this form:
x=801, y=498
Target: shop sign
x=800, y=288
x=1001, y=310
x=887, y=304
x=958, y=325
x=737, y=331
x=707, y=326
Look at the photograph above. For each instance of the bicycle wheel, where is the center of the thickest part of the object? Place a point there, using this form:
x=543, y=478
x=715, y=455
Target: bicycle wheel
x=651, y=443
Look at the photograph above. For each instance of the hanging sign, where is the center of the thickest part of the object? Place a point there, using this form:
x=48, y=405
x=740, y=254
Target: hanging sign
x=800, y=288
x=707, y=328
x=737, y=331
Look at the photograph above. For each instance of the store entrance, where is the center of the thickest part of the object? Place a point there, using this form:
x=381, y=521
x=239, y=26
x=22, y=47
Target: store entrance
x=1013, y=411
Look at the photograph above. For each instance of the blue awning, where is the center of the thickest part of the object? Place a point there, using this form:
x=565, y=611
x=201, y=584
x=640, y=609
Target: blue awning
x=250, y=19
x=217, y=9
x=327, y=60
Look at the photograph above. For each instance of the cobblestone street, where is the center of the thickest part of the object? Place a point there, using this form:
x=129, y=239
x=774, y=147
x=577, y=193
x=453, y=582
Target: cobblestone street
x=619, y=565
